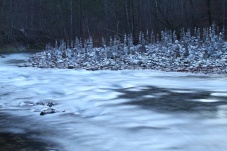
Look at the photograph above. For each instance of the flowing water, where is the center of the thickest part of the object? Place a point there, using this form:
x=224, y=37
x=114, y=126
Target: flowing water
x=111, y=110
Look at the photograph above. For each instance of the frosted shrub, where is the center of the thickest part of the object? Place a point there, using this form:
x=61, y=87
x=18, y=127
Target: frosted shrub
x=71, y=44
x=152, y=38
x=140, y=37
x=48, y=46
x=90, y=42
x=143, y=39
x=147, y=39
x=194, y=50
x=103, y=42
x=111, y=42
x=56, y=44
x=77, y=43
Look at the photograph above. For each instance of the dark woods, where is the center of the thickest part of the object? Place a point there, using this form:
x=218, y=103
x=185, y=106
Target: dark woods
x=36, y=22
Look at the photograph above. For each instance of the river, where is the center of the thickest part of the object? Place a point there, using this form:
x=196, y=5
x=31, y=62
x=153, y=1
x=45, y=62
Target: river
x=142, y=110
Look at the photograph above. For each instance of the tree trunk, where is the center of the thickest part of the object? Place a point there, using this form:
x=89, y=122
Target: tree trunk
x=192, y=13
x=134, y=25
x=209, y=12
x=71, y=20
x=81, y=19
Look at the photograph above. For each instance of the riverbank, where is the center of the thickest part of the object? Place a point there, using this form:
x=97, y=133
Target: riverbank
x=103, y=59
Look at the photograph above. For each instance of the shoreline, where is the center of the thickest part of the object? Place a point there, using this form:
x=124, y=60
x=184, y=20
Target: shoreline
x=148, y=61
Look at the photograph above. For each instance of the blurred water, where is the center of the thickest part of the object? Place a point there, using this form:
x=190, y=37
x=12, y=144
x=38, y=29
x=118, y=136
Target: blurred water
x=116, y=110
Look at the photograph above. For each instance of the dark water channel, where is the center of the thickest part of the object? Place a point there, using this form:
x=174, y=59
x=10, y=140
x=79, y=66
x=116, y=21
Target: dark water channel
x=14, y=138
x=110, y=110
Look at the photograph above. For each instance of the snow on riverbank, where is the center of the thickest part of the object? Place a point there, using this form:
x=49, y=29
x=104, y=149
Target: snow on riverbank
x=196, y=53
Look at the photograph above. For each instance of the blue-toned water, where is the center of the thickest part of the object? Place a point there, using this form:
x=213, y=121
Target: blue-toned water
x=115, y=110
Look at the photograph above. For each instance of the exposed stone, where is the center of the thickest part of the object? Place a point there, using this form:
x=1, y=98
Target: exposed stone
x=48, y=111
x=50, y=104
x=41, y=103
x=70, y=67
x=92, y=68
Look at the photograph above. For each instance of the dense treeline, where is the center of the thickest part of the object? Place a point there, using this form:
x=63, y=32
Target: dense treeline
x=39, y=21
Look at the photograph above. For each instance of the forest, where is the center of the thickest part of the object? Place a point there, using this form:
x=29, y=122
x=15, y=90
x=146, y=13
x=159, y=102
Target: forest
x=33, y=23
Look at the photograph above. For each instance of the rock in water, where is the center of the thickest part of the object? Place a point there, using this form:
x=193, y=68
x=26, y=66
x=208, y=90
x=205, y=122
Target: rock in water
x=48, y=111
x=50, y=104
x=41, y=103
x=70, y=67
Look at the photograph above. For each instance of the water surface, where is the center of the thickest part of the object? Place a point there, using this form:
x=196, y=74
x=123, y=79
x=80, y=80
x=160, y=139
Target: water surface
x=114, y=110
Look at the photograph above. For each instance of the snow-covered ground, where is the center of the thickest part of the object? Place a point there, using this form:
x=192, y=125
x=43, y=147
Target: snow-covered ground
x=120, y=110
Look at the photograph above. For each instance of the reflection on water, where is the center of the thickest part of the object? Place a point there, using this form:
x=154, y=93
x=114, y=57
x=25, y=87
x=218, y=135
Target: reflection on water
x=13, y=137
x=174, y=100
x=113, y=110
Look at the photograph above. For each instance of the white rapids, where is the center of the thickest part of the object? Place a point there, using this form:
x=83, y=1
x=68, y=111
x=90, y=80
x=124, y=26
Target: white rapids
x=101, y=110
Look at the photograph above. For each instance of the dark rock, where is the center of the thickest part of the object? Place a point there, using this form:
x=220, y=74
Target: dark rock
x=2, y=56
x=70, y=67
x=41, y=103
x=48, y=111
x=186, y=63
x=50, y=104
x=92, y=68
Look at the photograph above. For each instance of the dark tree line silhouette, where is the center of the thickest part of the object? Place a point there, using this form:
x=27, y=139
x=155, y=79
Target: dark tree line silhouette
x=38, y=21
